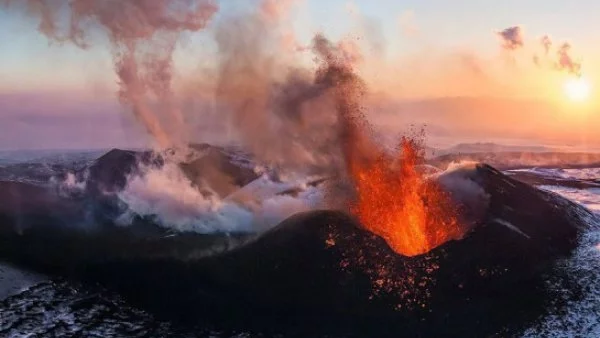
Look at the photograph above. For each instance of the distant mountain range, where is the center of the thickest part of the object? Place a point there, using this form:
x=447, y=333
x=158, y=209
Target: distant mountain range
x=490, y=147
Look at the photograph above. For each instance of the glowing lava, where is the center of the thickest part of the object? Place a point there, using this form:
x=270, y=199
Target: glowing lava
x=396, y=201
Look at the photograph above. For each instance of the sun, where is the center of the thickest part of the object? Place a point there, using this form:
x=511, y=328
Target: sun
x=577, y=89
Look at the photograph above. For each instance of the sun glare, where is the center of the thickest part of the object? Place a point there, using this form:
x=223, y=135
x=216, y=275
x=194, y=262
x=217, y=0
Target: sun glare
x=577, y=89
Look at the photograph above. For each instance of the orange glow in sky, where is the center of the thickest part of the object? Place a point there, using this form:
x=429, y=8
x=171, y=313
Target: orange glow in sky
x=426, y=62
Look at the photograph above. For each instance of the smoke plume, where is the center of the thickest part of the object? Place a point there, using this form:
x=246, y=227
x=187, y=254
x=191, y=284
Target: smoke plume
x=143, y=36
x=512, y=38
x=288, y=115
x=282, y=113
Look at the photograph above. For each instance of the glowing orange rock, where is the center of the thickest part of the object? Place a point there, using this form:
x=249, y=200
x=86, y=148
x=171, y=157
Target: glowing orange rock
x=395, y=201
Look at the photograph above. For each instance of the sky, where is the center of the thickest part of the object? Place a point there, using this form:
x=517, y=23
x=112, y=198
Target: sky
x=59, y=96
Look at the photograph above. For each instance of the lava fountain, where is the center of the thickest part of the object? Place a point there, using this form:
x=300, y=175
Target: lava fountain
x=392, y=197
x=397, y=202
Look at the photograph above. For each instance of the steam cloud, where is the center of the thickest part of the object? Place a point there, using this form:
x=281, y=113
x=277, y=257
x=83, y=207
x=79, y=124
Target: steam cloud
x=512, y=38
x=167, y=195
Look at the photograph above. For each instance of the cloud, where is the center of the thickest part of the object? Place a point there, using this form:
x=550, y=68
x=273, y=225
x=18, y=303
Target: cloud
x=546, y=43
x=561, y=61
x=566, y=62
x=512, y=38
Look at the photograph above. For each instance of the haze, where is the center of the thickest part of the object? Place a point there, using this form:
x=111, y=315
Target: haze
x=426, y=62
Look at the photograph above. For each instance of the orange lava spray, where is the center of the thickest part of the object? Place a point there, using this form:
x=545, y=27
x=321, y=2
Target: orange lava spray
x=396, y=201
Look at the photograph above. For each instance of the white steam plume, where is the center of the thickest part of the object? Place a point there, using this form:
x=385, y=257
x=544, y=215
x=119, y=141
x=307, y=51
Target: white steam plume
x=168, y=197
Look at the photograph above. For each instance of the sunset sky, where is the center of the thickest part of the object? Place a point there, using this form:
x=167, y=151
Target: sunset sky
x=417, y=55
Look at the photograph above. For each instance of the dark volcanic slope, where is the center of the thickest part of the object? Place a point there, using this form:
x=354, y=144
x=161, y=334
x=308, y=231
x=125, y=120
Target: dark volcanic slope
x=218, y=167
x=540, y=179
x=214, y=165
x=322, y=263
x=320, y=268
x=109, y=172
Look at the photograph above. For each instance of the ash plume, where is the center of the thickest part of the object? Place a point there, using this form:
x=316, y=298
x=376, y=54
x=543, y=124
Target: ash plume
x=143, y=36
x=288, y=115
x=263, y=99
x=512, y=38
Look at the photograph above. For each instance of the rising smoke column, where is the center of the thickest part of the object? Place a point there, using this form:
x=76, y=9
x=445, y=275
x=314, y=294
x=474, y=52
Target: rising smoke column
x=275, y=108
x=282, y=112
x=143, y=37
x=272, y=105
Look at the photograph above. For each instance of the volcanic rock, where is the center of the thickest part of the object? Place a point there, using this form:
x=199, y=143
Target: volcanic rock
x=325, y=265
x=218, y=169
x=109, y=173
x=322, y=269
x=212, y=166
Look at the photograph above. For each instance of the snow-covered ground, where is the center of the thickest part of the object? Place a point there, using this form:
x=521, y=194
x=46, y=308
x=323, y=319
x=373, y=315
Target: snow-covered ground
x=581, y=318
x=160, y=193
x=573, y=174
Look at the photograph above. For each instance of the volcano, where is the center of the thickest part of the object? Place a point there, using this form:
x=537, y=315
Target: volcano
x=322, y=266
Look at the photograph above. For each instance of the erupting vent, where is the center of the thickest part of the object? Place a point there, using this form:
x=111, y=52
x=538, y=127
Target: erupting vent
x=397, y=202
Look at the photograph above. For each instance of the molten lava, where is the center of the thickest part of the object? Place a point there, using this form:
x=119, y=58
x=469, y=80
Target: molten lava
x=397, y=202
